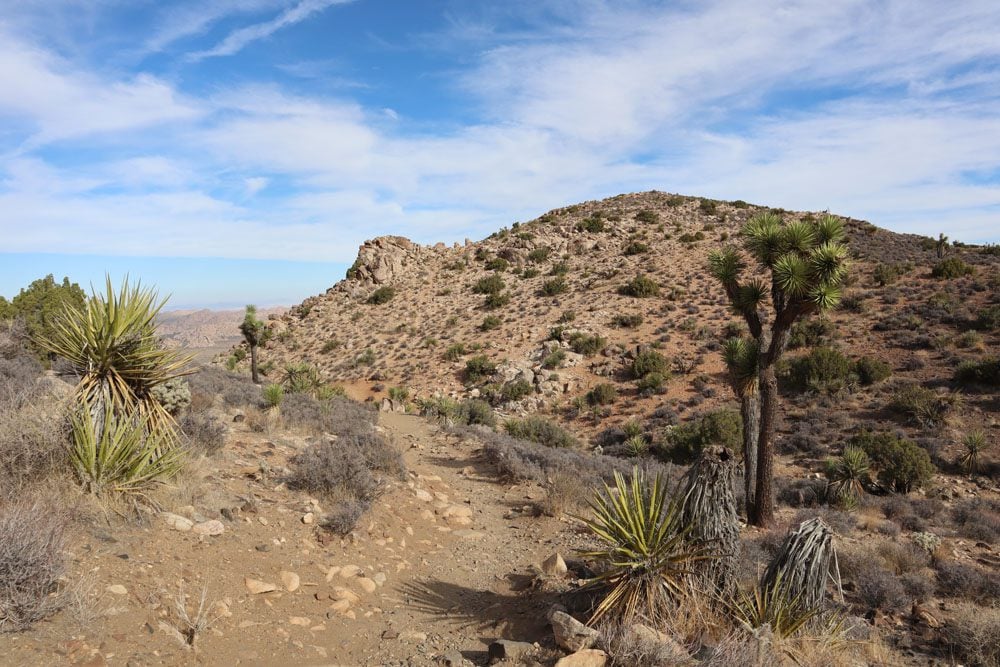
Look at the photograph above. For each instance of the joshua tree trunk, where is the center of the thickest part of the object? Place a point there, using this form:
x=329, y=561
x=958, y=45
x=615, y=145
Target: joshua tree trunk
x=710, y=511
x=763, y=514
x=253, y=365
x=750, y=412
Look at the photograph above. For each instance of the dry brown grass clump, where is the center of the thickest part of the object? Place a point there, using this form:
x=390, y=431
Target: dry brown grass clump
x=974, y=634
x=32, y=539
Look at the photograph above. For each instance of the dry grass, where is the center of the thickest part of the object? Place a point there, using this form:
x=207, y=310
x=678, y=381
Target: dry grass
x=974, y=634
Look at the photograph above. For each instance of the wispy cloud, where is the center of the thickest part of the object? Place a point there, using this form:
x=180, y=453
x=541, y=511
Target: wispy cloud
x=238, y=39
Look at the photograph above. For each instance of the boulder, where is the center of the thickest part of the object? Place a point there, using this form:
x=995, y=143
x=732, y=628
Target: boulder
x=570, y=633
x=590, y=657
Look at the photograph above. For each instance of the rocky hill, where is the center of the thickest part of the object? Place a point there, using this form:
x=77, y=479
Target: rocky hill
x=552, y=302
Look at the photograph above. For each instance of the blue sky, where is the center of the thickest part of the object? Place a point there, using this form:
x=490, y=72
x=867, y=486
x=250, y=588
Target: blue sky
x=241, y=150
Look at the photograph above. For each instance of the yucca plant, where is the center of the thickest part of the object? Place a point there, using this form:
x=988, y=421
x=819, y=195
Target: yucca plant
x=647, y=557
x=123, y=437
x=120, y=451
x=770, y=605
x=970, y=459
x=848, y=475
x=637, y=445
x=273, y=395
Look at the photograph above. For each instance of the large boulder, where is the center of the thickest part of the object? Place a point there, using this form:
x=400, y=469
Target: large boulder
x=382, y=259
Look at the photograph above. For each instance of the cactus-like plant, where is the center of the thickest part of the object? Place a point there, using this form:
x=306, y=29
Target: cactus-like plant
x=256, y=333
x=970, y=459
x=807, y=265
x=847, y=475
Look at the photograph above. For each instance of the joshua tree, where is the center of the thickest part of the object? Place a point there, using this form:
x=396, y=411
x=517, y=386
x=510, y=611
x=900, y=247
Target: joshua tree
x=807, y=264
x=256, y=334
x=941, y=246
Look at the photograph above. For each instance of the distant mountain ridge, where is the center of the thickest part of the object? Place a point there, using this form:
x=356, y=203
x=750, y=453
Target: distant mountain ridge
x=205, y=328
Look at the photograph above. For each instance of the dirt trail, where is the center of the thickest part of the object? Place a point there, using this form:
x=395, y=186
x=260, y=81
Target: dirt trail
x=439, y=564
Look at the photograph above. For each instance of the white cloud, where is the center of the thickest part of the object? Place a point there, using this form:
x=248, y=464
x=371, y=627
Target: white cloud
x=238, y=39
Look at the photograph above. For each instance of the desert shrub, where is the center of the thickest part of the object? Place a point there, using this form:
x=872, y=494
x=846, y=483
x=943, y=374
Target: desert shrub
x=19, y=371
x=977, y=519
x=490, y=322
x=823, y=369
x=32, y=562
x=516, y=390
x=635, y=248
x=592, y=224
x=536, y=428
x=887, y=274
x=273, y=395
x=336, y=414
x=478, y=368
x=382, y=295
x=475, y=411
x=903, y=557
x=871, y=371
x=498, y=264
x=398, y=394
x=811, y=332
x=32, y=445
x=879, y=589
x=984, y=372
x=683, y=443
x=973, y=632
x=353, y=469
x=961, y=580
x=640, y=286
x=923, y=405
x=647, y=216
x=491, y=284
x=848, y=475
x=626, y=321
x=39, y=305
x=494, y=301
x=951, y=267
x=330, y=346
x=554, y=287
x=204, y=432
x=649, y=361
x=554, y=359
x=539, y=255
x=530, y=273
x=604, y=393
x=587, y=344
x=652, y=383
x=988, y=318
x=901, y=464
x=236, y=390
x=454, y=352
x=564, y=491
x=559, y=269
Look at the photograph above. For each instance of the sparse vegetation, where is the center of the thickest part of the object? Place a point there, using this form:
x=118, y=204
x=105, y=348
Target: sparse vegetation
x=641, y=287
x=382, y=295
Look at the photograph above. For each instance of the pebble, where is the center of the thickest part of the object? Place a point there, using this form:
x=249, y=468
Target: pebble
x=307, y=518
x=256, y=586
x=210, y=528
x=300, y=620
x=413, y=636
x=423, y=495
x=117, y=589
x=554, y=565
x=367, y=585
x=290, y=581
x=349, y=571
x=177, y=522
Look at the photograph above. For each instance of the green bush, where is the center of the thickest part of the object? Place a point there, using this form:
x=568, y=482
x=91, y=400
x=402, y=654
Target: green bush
x=983, y=372
x=901, y=464
x=329, y=346
x=554, y=359
x=40, y=305
x=593, y=224
x=923, y=405
x=174, y=395
x=273, y=395
x=811, y=332
x=887, y=274
x=988, y=318
x=870, y=371
x=649, y=361
x=707, y=206
x=647, y=216
x=951, y=267
x=626, y=321
x=491, y=284
x=652, y=383
x=641, y=286
x=555, y=286
x=530, y=273
x=454, y=352
x=382, y=295
x=516, y=390
x=399, y=393
x=602, y=394
x=494, y=301
x=559, y=269
x=823, y=370
x=498, y=264
x=684, y=443
x=541, y=430
x=539, y=255
x=490, y=322
x=475, y=411
x=479, y=367
x=587, y=345
x=635, y=248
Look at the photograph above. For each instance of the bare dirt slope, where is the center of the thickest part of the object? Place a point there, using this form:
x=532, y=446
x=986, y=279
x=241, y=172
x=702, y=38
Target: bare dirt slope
x=440, y=564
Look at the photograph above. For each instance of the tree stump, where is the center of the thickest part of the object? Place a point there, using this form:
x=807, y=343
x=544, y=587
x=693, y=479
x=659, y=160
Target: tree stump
x=710, y=511
x=803, y=564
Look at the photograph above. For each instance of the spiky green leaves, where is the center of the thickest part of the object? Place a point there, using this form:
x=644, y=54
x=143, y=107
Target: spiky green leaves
x=253, y=329
x=740, y=355
x=791, y=274
x=725, y=265
x=647, y=556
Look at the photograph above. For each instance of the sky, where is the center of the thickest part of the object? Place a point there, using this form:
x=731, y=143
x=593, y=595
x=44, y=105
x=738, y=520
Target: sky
x=236, y=151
